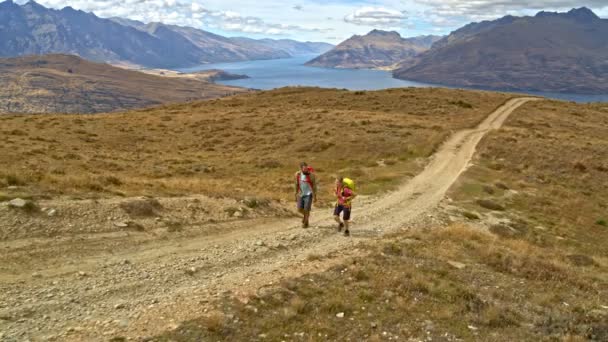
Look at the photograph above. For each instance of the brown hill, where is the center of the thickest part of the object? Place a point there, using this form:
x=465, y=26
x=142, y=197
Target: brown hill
x=557, y=52
x=69, y=84
x=239, y=145
x=377, y=49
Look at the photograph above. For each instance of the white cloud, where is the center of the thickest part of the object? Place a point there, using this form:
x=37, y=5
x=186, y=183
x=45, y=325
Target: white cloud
x=376, y=16
x=451, y=10
x=332, y=20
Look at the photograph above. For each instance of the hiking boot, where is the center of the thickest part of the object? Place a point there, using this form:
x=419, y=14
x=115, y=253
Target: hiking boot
x=340, y=226
x=346, y=233
x=305, y=225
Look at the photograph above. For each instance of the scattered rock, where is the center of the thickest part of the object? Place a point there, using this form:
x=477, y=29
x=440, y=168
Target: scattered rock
x=237, y=214
x=82, y=274
x=340, y=315
x=121, y=224
x=456, y=264
x=25, y=205
x=52, y=213
x=130, y=224
x=471, y=327
x=260, y=243
x=119, y=306
x=36, y=275
x=17, y=203
x=191, y=271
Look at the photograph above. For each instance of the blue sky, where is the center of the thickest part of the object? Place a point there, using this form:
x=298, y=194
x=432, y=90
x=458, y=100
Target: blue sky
x=316, y=20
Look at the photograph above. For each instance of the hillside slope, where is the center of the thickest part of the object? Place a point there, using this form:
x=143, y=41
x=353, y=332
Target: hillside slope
x=556, y=52
x=68, y=84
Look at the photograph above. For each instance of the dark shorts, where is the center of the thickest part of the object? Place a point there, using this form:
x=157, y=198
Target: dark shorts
x=305, y=203
x=346, y=210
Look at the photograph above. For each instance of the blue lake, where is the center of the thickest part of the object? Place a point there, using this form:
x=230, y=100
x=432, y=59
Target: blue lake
x=276, y=73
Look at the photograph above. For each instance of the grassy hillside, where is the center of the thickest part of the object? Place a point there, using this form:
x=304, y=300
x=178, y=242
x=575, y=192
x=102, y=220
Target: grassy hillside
x=534, y=268
x=239, y=146
x=69, y=84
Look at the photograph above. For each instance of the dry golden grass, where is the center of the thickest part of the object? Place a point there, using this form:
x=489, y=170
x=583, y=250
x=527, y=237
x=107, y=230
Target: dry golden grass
x=239, y=146
x=546, y=281
x=508, y=291
x=555, y=156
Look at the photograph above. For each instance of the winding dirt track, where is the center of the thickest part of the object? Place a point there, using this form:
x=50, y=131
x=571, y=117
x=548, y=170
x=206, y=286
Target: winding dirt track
x=144, y=290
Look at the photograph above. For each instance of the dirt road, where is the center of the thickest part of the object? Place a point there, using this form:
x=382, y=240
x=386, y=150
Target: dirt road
x=140, y=290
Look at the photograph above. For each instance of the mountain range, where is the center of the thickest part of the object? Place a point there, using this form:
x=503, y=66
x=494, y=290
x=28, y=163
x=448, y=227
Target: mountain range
x=377, y=49
x=553, y=52
x=32, y=29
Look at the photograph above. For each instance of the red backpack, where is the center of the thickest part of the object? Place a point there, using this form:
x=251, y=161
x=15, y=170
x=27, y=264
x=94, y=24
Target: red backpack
x=308, y=179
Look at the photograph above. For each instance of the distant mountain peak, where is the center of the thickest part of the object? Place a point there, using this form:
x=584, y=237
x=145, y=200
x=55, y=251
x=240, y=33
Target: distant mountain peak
x=8, y=4
x=382, y=33
x=582, y=13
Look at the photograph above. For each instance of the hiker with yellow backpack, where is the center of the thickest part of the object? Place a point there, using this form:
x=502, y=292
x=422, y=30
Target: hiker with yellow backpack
x=345, y=192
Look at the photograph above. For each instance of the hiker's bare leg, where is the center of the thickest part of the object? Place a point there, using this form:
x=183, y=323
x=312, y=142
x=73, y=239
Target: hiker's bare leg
x=337, y=218
x=306, y=217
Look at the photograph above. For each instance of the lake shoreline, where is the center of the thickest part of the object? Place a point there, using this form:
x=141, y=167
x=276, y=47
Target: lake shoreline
x=284, y=72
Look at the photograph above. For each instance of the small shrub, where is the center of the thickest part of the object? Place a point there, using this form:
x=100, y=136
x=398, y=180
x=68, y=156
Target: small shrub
x=361, y=275
x=256, y=203
x=503, y=231
x=581, y=260
x=270, y=164
x=95, y=187
x=470, y=215
x=501, y=186
x=231, y=210
x=489, y=190
x=462, y=104
x=174, y=226
x=314, y=257
x=601, y=222
x=141, y=207
x=392, y=249
x=491, y=205
x=214, y=322
x=580, y=166
x=112, y=180
x=14, y=180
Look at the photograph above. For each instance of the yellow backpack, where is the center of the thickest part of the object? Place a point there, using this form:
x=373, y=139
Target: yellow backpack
x=348, y=183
